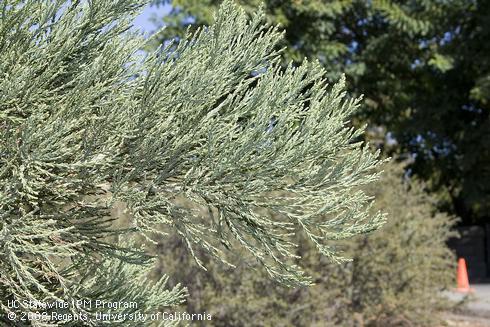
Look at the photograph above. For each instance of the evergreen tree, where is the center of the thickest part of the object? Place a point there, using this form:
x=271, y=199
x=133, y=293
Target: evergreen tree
x=396, y=277
x=423, y=66
x=88, y=123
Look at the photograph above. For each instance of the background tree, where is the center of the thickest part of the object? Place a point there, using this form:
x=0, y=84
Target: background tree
x=395, y=278
x=88, y=124
x=423, y=66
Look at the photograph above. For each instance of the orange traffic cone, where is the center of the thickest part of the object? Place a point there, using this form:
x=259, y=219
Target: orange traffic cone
x=463, y=282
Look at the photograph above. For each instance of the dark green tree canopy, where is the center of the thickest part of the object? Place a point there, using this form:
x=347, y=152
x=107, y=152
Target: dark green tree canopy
x=423, y=66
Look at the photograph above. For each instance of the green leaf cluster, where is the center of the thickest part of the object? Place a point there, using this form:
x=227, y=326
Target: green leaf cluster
x=89, y=124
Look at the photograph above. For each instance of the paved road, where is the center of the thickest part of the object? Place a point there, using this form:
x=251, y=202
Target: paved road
x=461, y=320
x=477, y=302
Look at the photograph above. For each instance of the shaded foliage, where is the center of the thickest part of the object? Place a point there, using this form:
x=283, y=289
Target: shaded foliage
x=392, y=281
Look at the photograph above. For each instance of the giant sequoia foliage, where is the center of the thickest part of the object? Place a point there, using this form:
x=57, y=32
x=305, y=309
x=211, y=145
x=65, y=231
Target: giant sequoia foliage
x=88, y=123
x=424, y=68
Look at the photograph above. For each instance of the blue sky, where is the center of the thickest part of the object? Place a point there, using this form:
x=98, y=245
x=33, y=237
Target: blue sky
x=143, y=20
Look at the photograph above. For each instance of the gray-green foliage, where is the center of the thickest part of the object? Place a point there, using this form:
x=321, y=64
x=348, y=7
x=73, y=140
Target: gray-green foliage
x=396, y=277
x=87, y=122
x=398, y=274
